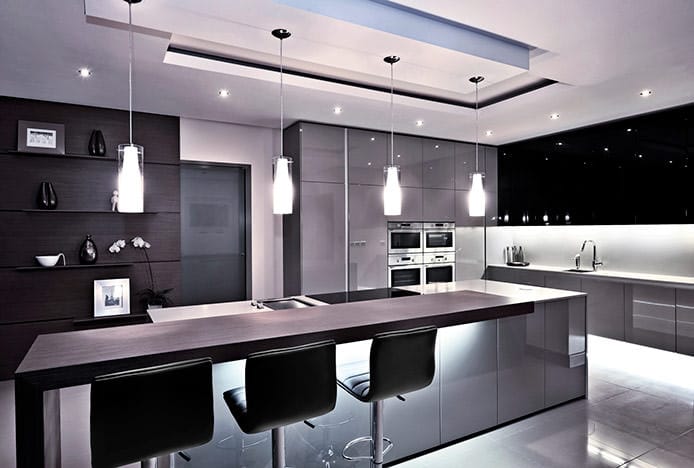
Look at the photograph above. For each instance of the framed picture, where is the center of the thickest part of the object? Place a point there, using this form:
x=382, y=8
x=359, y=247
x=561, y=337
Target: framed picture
x=40, y=137
x=111, y=297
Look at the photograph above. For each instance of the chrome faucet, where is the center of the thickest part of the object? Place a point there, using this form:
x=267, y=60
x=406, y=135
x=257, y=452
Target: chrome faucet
x=595, y=261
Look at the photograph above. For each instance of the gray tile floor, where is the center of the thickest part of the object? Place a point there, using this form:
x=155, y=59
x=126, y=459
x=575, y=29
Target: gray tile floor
x=639, y=414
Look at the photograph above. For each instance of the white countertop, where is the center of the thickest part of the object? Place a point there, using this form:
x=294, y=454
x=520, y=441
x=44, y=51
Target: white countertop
x=212, y=310
x=520, y=291
x=648, y=278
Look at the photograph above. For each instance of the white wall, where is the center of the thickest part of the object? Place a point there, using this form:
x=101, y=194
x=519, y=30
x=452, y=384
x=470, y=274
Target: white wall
x=657, y=249
x=203, y=140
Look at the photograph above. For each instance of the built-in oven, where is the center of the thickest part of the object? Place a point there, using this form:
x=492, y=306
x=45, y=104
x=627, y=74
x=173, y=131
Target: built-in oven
x=404, y=238
x=405, y=270
x=439, y=268
x=439, y=237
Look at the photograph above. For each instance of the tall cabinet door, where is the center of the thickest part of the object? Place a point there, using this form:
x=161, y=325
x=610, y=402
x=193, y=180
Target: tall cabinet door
x=439, y=164
x=685, y=321
x=322, y=237
x=367, y=155
x=322, y=153
x=408, y=155
x=367, y=237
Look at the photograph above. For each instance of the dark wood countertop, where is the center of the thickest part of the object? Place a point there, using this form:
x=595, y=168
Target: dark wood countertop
x=73, y=358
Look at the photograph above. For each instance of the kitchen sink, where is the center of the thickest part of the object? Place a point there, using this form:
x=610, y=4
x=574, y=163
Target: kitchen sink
x=581, y=270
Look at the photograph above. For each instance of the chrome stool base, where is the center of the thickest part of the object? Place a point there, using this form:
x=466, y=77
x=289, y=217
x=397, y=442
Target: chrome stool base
x=378, y=451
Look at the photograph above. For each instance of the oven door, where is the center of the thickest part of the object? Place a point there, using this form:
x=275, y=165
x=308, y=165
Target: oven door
x=439, y=273
x=410, y=275
x=439, y=241
x=404, y=241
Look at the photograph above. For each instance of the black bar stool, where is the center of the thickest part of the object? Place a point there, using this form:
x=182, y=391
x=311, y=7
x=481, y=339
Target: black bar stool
x=284, y=386
x=145, y=413
x=399, y=362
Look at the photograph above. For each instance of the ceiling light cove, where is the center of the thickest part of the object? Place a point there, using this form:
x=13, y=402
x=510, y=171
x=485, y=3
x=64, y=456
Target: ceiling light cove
x=337, y=110
x=84, y=72
x=224, y=93
x=554, y=116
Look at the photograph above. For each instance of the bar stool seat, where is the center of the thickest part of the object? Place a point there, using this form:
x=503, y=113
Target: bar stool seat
x=399, y=362
x=282, y=387
x=141, y=414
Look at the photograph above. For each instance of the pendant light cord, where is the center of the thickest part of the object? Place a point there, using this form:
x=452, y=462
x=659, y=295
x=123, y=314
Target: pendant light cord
x=477, y=128
x=130, y=69
x=281, y=98
x=392, y=117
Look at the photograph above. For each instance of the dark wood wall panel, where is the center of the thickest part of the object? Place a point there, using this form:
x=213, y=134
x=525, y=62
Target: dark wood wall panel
x=36, y=301
x=149, y=130
x=84, y=184
x=25, y=235
x=72, y=295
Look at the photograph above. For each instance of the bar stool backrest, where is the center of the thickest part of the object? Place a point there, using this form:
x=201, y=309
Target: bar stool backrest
x=145, y=413
x=286, y=386
x=401, y=362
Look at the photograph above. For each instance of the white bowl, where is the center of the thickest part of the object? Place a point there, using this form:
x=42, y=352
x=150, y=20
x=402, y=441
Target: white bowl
x=49, y=260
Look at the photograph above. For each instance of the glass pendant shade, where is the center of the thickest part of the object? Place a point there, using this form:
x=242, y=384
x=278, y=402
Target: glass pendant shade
x=392, y=194
x=282, y=188
x=476, y=197
x=130, y=178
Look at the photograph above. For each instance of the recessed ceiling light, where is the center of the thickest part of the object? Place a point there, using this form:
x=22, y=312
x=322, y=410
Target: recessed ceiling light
x=373, y=138
x=606, y=148
x=84, y=72
x=419, y=123
x=489, y=133
x=628, y=129
x=560, y=143
x=436, y=146
x=337, y=110
x=646, y=92
x=554, y=116
x=224, y=93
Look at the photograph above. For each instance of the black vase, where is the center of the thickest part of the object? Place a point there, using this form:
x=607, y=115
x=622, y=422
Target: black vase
x=46, y=199
x=88, y=252
x=97, y=145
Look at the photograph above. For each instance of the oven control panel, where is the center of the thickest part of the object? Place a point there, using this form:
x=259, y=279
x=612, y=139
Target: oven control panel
x=406, y=259
x=440, y=258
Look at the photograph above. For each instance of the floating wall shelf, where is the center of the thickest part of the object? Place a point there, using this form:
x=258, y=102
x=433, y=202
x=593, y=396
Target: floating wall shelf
x=68, y=267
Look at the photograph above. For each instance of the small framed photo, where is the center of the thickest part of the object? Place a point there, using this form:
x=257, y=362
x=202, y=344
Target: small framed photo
x=111, y=297
x=40, y=137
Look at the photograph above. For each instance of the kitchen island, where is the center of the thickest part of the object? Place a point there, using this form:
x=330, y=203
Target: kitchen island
x=68, y=359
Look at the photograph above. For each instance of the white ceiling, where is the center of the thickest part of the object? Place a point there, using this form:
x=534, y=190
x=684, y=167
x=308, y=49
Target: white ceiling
x=602, y=53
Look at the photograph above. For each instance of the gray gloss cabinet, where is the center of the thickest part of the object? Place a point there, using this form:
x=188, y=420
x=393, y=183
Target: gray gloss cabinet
x=413, y=425
x=521, y=363
x=367, y=237
x=367, y=153
x=685, y=321
x=322, y=237
x=605, y=308
x=565, y=350
x=438, y=204
x=650, y=316
x=407, y=155
x=468, y=379
x=439, y=164
x=412, y=210
x=465, y=164
x=322, y=153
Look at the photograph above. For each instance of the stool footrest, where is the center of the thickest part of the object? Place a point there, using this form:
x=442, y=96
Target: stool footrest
x=360, y=440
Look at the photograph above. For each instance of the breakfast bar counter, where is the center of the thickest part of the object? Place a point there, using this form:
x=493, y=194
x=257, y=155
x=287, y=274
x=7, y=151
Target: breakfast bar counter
x=67, y=359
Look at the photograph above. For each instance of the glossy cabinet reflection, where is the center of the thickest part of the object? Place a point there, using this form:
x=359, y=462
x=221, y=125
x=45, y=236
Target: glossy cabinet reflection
x=408, y=155
x=468, y=379
x=367, y=237
x=685, y=321
x=651, y=316
x=367, y=155
x=521, y=365
x=438, y=205
x=632, y=171
x=605, y=308
x=439, y=164
x=322, y=153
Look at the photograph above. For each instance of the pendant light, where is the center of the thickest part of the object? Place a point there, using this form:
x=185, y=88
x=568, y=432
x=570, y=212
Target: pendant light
x=130, y=156
x=392, y=195
x=476, y=197
x=282, y=187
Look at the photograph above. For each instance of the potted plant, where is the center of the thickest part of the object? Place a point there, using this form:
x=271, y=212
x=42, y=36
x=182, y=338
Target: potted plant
x=151, y=297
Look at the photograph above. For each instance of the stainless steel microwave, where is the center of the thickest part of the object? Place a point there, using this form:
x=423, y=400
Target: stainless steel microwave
x=404, y=238
x=439, y=237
